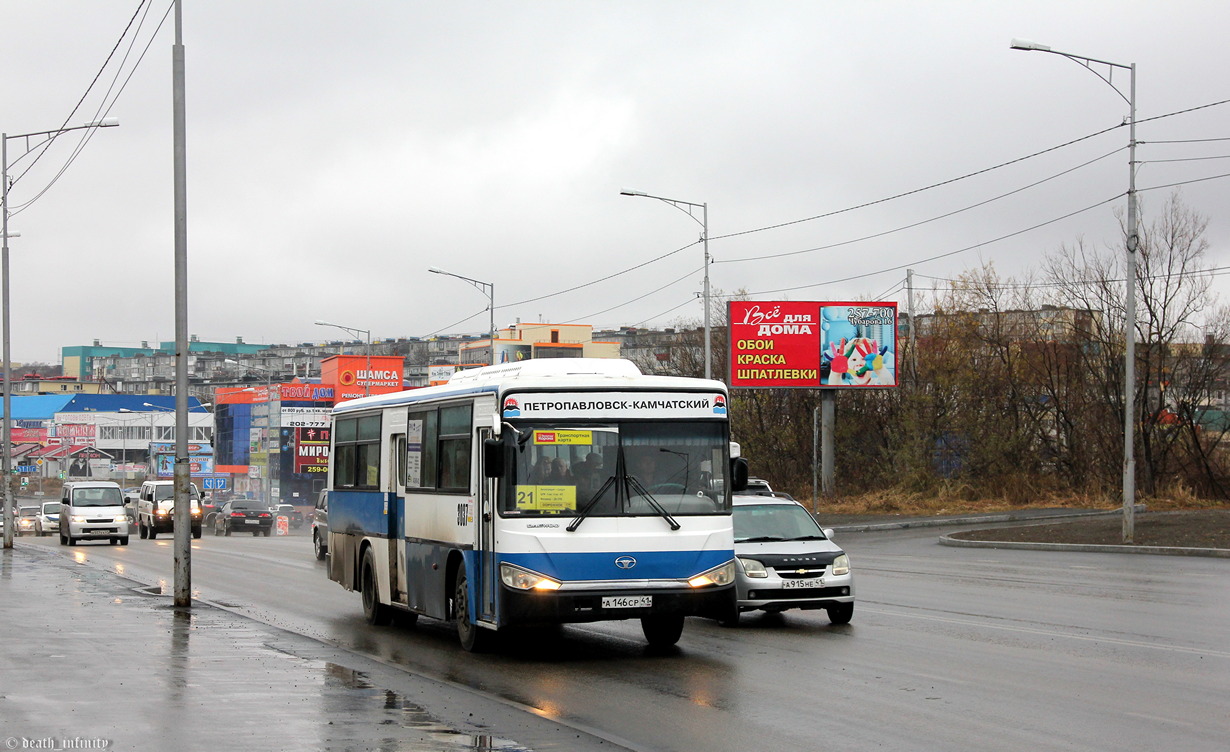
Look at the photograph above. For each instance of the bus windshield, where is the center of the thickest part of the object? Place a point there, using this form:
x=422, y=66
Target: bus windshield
x=619, y=469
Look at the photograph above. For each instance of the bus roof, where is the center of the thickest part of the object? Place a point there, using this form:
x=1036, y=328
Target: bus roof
x=539, y=373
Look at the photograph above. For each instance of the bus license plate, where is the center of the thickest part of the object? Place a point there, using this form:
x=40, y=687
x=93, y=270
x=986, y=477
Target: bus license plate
x=814, y=582
x=628, y=601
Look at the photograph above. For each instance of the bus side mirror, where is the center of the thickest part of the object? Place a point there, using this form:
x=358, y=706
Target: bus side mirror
x=738, y=474
x=493, y=458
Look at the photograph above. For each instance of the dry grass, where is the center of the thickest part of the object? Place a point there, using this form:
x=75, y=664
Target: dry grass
x=961, y=500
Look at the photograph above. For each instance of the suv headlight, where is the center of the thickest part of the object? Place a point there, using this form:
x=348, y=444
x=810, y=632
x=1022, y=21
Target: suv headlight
x=523, y=579
x=79, y=518
x=753, y=568
x=120, y=518
x=841, y=565
x=723, y=575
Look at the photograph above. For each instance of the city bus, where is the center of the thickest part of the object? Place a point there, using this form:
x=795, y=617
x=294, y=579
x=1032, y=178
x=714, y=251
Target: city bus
x=547, y=491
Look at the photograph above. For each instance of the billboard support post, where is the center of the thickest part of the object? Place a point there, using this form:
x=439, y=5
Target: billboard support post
x=828, y=427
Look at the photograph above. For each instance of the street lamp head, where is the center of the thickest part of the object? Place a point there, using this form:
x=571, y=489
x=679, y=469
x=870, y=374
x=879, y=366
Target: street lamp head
x=434, y=270
x=630, y=192
x=1023, y=44
x=107, y=122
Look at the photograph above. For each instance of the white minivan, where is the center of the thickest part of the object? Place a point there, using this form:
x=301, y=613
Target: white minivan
x=92, y=510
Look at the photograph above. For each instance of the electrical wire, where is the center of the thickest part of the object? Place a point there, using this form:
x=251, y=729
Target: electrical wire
x=603, y=279
x=1186, y=159
x=971, y=174
x=925, y=221
x=633, y=300
x=456, y=323
x=76, y=107
x=1216, y=271
x=940, y=255
x=102, y=110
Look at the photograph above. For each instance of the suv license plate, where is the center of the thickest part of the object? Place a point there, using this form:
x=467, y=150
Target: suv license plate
x=815, y=582
x=628, y=601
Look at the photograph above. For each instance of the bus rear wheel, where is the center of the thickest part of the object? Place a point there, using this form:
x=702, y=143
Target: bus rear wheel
x=473, y=638
x=662, y=631
x=377, y=614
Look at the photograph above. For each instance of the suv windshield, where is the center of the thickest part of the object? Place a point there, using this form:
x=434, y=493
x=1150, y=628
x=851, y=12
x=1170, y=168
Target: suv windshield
x=618, y=469
x=162, y=492
x=97, y=497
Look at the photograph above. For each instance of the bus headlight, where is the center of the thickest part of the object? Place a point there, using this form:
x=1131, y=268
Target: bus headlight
x=753, y=568
x=723, y=575
x=523, y=579
x=841, y=565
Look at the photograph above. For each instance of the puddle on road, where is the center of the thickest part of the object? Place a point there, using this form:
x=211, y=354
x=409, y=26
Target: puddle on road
x=360, y=698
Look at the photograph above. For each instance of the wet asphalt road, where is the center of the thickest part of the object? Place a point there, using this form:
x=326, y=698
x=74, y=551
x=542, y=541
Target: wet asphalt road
x=949, y=649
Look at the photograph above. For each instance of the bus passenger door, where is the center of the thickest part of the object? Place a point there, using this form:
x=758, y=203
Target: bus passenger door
x=395, y=496
x=485, y=545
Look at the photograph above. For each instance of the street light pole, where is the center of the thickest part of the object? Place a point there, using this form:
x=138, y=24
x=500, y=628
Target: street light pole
x=704, y=229
x=489, y=288
x=1133, y=243
x=367, y=390
x=6, y=433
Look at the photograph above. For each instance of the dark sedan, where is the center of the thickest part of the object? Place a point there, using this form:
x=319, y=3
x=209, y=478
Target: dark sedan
x=244, y=516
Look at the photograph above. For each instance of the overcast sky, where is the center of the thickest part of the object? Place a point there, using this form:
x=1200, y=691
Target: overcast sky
x=337, y=149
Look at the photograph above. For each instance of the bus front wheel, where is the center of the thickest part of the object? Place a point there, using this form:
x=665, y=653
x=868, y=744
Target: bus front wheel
x=662, y=631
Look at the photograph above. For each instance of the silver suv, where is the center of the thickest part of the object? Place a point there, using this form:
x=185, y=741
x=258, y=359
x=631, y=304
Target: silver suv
x=156, y=508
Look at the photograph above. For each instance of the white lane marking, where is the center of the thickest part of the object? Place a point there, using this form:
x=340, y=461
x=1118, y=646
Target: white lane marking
x=1051, y=633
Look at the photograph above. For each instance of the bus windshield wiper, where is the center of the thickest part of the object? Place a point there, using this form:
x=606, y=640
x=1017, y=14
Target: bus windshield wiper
x=632, y=481
x=589, y=505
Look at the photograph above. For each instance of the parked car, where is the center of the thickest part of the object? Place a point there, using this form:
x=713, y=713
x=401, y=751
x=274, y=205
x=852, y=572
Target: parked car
x=787, y=561
x=761, y=487
x=156, y=508
x=292, y=515
x=91, y=510
x=320, y=525
x=48, y=518
x=244, y=516
x=211, y=506
x=131, y=496
x=27, y=521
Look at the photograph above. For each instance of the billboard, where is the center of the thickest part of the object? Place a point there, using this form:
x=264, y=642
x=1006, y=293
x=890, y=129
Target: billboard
x=809, y=345
x=312, y=450
x=200, y=458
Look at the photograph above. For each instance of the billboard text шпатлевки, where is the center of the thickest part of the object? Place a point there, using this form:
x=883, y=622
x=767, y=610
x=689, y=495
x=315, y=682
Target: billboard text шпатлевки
x=807, y=345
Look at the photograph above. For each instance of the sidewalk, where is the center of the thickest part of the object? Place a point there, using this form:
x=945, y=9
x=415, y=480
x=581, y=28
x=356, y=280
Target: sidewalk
x=94, y=661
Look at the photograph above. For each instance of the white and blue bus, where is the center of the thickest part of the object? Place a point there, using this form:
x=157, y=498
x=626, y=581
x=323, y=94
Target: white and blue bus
x=547, y=491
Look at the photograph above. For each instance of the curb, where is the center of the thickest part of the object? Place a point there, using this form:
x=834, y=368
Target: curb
x=1219, y=553
x=971, y=520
